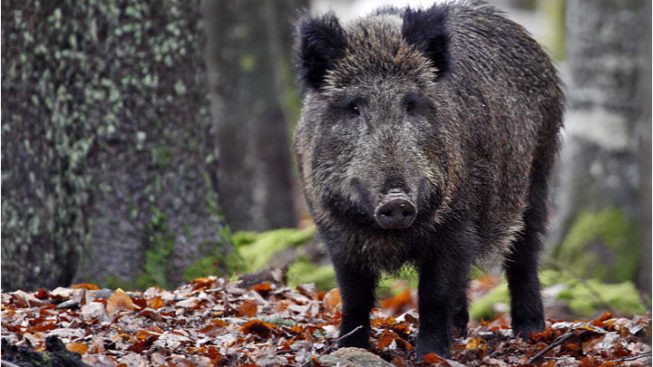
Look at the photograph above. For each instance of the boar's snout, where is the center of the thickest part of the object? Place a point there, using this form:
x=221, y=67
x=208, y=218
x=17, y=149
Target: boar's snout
x=395, y=211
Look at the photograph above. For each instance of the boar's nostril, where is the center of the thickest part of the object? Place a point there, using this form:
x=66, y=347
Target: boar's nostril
x=396, y=211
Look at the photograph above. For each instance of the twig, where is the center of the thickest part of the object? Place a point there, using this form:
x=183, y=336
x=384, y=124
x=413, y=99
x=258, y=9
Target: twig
x=332, y=345
x=559, y=340
x=632, y=358
x=349, y=333
x=8, y=364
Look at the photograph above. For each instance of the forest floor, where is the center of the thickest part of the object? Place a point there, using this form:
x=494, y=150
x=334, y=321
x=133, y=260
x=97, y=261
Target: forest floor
x=216, y=322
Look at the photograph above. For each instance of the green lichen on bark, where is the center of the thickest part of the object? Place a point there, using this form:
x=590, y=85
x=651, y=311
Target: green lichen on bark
x=105, y=117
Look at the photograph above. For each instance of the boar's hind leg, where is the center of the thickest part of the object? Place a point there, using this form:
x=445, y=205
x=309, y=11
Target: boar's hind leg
x=521, y=263
x=357, y=287
x=521, y=271
x=442, y=283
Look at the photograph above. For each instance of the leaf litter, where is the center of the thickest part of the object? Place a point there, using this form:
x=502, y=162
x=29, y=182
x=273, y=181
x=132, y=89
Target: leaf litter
x=216, y=322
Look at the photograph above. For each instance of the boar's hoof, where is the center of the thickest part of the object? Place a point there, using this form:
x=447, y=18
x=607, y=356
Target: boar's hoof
x=396, y=211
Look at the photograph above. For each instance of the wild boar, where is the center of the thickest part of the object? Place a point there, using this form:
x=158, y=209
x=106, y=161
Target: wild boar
x=427, y=137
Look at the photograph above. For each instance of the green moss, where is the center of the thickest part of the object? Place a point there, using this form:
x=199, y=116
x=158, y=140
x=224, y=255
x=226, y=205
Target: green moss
x=483, y=308
x=257, y=250
x=622, y=297
x=394, y=283
x=114, y=282
x=584, y=298
x=158, y=257
x=304, y=271
x=210, y=265
x=601, y=245
x=223, y=259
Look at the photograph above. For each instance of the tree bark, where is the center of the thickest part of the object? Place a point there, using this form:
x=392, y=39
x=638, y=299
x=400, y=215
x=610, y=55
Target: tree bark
x=644, y=150
x=253, y=100
x=110, y=171
x=599, y=168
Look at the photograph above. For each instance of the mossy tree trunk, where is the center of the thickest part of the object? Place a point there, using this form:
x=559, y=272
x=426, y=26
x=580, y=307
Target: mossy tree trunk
x=253, y=100
x=108, y=158
x=600, y=173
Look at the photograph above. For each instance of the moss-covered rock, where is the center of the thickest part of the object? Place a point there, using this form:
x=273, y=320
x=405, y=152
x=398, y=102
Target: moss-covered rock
x=257, y=249
x=304, y=271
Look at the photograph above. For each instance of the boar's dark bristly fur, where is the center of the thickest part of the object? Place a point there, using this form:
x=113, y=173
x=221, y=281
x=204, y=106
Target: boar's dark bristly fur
x=427, y=137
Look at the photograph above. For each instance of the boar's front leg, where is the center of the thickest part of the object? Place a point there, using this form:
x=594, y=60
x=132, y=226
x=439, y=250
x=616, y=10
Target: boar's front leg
x=442, y=286
x=357, y=285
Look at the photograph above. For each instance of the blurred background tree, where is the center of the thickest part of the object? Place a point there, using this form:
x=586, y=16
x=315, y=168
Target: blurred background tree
x=253, y=99
x=602, y=224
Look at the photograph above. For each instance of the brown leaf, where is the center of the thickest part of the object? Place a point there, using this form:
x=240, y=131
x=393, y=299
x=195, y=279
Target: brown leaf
x=41, y=294
x=385, y=339
x=433, y=359
x=398, y=302
x=87, y=286
x=97, y=346
x=23, y=299
x=213, y=353
x=476, y=343
x=248, y=308
x=260, y=328
x=156, y=302
x=262, y=288
x=143, y=344
x=80, y=348
x=119, y=301
x=45, y=326
x=332, y=300
x=599, y=320
x=214, y=328
x=203, y=283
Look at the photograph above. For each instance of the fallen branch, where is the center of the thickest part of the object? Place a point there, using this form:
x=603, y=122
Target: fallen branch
x=632, y=358
x=559, y=340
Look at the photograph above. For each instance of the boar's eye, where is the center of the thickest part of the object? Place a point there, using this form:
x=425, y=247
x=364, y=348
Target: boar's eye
x=410, y=106
x=349, y=105
x=353, y=108
x=413, y=103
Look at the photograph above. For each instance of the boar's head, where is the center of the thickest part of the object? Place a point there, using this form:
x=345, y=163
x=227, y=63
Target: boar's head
x=377, y=143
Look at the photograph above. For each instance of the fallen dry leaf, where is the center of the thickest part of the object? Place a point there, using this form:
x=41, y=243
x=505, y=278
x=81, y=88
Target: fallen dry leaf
x=214, y=321
x=247, y=308
x=332, y=300
x=80, y=348
x=119, y=301
x=87, y=286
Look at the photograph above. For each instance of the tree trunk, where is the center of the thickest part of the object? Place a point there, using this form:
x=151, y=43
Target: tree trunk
x=108, y=143
x=252, y=100
x=644, y=148
x=598, y=201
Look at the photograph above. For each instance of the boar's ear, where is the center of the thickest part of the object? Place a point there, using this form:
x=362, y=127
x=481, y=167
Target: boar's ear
x=321, y=42
x=426, y=30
